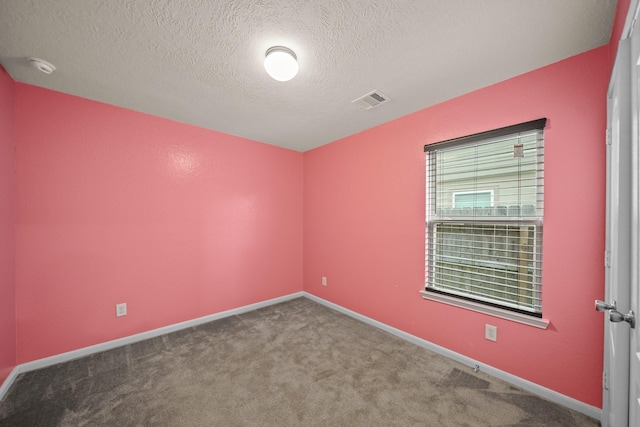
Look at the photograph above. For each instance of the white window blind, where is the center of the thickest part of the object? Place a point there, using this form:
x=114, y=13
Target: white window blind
x=485, y=197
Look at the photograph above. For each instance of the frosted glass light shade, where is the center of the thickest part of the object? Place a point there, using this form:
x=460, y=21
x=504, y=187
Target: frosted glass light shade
x=281, y=63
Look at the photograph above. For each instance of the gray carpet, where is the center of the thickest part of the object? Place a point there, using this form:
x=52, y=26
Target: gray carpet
x=293, y=364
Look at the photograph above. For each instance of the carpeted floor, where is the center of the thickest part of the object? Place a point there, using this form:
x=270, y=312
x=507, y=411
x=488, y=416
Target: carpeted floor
x=293, y=364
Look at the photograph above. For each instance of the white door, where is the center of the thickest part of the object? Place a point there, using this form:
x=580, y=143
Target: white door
x=615, y=405
x=621, y=382
x=634, y=357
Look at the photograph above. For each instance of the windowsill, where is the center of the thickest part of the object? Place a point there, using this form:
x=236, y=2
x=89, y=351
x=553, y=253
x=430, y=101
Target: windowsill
x=485, y=309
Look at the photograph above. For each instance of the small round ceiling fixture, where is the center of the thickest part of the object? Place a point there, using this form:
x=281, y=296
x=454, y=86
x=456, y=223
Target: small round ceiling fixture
x=42, y=65
x=281, y=63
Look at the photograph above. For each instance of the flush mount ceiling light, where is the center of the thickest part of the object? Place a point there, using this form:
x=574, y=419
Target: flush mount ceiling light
x=281, y=63
x=42, y=65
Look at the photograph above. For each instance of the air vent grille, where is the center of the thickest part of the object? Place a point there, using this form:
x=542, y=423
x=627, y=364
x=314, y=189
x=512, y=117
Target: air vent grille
x=370, y=100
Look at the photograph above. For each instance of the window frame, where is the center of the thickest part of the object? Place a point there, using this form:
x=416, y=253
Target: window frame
x=474, y=302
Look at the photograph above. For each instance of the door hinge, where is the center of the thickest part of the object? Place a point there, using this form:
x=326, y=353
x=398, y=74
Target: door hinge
x=607, y=259
x=608, y=136
x=604, y=381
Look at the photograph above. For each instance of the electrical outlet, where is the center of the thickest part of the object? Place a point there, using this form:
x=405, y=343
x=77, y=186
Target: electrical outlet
x=491, y=332
x=324, y=281
x=121, y=309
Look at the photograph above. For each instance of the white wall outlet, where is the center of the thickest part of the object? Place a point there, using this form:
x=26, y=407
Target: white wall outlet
x=491, y=332
x=121, y=309
x=324, y=281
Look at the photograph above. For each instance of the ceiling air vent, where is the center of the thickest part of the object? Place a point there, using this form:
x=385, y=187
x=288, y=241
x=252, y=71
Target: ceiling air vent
x=370, y=100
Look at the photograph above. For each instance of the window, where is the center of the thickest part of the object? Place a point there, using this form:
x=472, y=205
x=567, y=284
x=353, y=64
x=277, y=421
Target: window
x=485, y=218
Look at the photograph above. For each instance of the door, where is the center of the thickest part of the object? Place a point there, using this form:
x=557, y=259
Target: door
x=634, y=357
x=615, y=405
x=621, y=377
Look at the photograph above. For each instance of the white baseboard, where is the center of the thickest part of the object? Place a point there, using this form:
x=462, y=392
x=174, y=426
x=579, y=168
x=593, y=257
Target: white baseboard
x=86, y=351
x=521, y=383
x=546, y=393
x=9, y=381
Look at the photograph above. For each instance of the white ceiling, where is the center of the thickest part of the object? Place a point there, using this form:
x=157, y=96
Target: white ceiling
x=200, y=61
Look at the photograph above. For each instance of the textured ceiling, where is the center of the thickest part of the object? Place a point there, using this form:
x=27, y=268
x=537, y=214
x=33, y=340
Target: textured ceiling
x=200, y=61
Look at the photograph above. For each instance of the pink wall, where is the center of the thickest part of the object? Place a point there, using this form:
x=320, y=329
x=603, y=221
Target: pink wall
x=7, y=227
x=117, y=206
x=364, y=213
